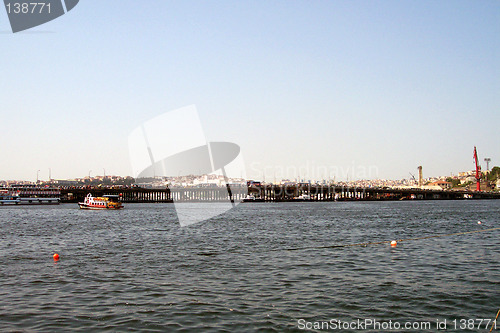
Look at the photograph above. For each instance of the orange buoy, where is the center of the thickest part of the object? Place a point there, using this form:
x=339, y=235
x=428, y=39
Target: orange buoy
x=394, y=243
x=56, y=257
x=478, y=222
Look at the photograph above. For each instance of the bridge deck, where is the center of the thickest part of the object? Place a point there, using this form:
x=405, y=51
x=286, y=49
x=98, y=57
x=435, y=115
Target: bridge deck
x=272, y=193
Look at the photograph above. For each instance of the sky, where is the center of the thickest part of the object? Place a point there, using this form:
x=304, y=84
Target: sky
x=311, y=89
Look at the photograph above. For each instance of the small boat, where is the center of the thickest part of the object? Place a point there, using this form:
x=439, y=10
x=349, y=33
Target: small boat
x=248, y=198
x=104, y=202
x=303, y=197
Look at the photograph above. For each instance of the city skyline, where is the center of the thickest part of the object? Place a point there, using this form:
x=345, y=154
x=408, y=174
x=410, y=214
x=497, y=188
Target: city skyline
x=411, y=177
x=381, y=85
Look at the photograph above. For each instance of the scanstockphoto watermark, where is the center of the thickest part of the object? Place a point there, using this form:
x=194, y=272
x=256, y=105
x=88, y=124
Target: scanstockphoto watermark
x=363, y=324
x=307, y=191
x=397, y=326
x=312, y=170
x=25, y=15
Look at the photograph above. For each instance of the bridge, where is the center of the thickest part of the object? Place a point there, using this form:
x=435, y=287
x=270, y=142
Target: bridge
x=271, y=193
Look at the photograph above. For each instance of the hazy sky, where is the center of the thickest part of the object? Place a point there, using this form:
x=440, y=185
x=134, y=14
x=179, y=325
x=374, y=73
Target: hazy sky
x=309, y=87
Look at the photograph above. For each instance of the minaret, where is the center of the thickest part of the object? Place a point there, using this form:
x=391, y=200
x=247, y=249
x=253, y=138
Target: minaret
x=420, y=177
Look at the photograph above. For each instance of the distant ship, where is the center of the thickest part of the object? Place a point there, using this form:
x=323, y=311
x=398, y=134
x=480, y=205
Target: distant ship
x=249, y=198
x=104, y=202
x=29, y=196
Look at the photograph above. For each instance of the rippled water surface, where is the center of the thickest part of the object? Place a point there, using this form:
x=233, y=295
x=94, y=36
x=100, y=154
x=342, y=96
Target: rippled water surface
x=259, y=267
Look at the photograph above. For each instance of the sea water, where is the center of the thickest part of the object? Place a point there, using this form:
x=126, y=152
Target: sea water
x=259, y=267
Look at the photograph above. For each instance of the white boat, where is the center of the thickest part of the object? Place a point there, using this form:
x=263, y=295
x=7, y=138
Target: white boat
x=104, y=202
x=249, y=198
x=303, y=197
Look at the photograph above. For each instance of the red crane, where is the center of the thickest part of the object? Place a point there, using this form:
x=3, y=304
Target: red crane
x=478, y=171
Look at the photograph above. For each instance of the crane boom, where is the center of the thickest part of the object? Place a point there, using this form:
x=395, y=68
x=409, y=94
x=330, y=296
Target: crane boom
x=478, y=170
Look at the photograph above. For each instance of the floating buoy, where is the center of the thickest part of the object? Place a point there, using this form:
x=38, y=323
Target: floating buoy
x=394, y=243
x=478, y=222
x=56, y=257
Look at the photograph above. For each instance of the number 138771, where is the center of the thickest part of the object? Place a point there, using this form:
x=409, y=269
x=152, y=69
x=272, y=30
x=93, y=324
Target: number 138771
x=28, y=8
x=473, y=324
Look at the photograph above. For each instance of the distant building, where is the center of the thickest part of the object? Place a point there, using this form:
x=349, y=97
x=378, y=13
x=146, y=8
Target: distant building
x=66, y=182
x=471, y=179
x=441, y=184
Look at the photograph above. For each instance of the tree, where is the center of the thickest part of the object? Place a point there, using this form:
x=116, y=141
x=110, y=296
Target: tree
x=494, y=174
x=454, y=181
